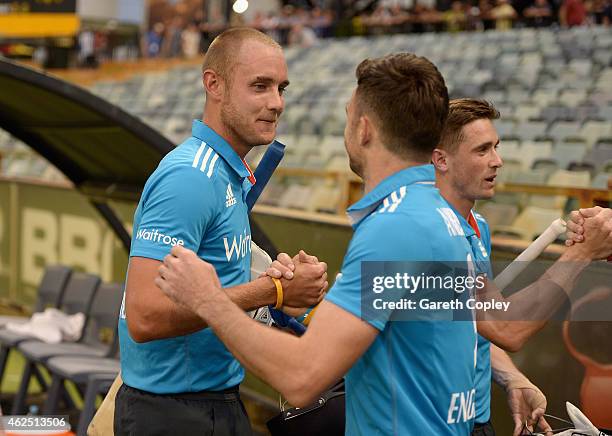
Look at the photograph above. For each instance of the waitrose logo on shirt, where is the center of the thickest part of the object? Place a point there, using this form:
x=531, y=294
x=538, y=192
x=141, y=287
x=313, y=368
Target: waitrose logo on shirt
x=158, y=237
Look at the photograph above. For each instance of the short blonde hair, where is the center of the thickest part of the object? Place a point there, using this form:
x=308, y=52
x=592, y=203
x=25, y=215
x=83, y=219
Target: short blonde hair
x=221, y=54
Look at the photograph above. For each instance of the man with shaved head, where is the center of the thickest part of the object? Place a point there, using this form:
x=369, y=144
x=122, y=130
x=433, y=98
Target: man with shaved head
x=178, y=376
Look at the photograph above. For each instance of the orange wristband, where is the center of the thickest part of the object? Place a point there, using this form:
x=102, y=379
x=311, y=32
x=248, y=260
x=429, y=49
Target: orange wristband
x=310, y=315
x=279, y=293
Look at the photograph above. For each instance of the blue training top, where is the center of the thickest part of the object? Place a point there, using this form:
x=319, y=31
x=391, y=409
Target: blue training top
x=481, y=248
x=195, y=198
x=417, y=377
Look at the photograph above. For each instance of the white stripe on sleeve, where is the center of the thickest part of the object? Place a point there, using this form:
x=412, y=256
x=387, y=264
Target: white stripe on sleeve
x=205, y=160
x=212, y=165
x=196, y=159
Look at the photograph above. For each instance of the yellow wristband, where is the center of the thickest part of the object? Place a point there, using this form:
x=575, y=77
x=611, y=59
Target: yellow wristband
x=310, y=315
x=279, y=293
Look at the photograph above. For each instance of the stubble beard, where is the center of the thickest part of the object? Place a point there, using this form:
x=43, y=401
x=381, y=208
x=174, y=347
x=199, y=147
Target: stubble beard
x=239, y=129
x=233, y=122
x=356, y=166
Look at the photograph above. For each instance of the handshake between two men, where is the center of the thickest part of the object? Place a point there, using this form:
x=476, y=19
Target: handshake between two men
x=185, y=278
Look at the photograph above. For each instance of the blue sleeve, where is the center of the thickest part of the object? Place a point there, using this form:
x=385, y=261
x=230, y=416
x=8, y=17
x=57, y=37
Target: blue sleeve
x=176, y=209
x=384, y=237
x=485, y=232
x=485, y=237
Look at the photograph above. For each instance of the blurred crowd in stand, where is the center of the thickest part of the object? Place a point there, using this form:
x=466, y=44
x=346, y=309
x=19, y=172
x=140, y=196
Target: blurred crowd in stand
x=188, y=35
x=393, y=16
x=182, y=28
x=304, y=26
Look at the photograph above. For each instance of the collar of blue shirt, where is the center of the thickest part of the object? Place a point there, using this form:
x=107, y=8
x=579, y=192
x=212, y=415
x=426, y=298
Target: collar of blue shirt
x=220, y=145
x=423, y=174
x=467, y=227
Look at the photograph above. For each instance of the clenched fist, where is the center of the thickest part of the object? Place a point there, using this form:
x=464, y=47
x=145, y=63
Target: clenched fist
x=186, y=279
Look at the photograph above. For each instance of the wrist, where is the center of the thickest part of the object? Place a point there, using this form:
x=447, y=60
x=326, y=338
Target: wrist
x=266, y=291
x=576, y=253
x=519, y=382
x=205, y=307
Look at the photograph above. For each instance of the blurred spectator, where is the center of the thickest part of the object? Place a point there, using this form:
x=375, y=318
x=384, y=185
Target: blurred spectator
x=486, y=16
x=598, y=12
x=378, y=21
x=87, y=55
x=430, y=19
x=520, y=6
x=321, y=22
x=286, y=20
x=302, y=36
x=215, y=25
x=40, y=55
x=398, y=18
x=474, y=18
x=270, y=26
x=539, y=14
x=190, y=41
x=572, y=13
x=503, y=14
x=153, y=40
x=330, y=19
x=455, y=17
x=607, y=17
x=387, y=19
x=101, y=45
x=171, y=46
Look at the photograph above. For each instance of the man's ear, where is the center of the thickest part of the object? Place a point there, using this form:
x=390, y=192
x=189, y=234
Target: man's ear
x=365, y=131
x=439, y=159
x=214, y=85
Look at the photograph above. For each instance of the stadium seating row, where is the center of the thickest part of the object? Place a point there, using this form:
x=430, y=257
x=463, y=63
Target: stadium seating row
x=300, y=122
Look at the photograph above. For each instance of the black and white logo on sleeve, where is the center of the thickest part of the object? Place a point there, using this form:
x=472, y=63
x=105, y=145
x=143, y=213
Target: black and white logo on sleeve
x=262, y=315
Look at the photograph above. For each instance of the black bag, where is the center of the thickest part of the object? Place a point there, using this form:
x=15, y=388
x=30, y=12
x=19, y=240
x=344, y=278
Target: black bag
x=325, y=416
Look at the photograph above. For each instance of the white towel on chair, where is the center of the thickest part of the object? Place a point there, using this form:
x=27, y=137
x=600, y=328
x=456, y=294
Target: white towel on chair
x=51, y=326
